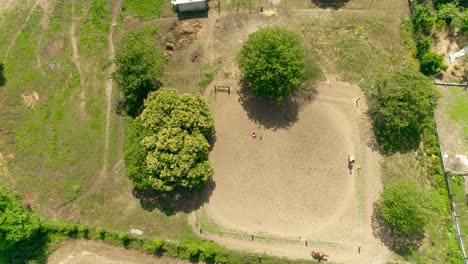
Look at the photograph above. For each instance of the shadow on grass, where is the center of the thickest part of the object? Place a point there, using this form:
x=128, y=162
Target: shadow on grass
x=400, y=243
x=170, y=203
x=275, y=114
x=334, y=4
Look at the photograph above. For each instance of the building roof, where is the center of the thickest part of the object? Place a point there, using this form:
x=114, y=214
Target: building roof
x=179, y=2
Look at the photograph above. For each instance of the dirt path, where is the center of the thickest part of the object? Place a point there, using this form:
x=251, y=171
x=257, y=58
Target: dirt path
x=109, y=87
x=12, y=42
x=91, y=252
x=76, y=56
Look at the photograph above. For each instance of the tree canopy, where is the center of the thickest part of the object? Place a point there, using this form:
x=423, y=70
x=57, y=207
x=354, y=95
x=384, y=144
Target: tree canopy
x=16, y=223
x=401, y=105
x=167, y=145
x=139, y=64
x=272, y=61
x=403, y=207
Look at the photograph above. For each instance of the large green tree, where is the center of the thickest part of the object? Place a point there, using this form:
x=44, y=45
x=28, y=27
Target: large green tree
x=167, y=145
x=401, y=105
x=272, y=61
x=139, y=65
x=403, y=207
x=16, y=223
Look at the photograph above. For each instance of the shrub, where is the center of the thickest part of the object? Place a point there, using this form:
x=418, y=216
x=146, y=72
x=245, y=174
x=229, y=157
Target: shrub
x=124, y=238
x=139, y=64
x=432, y=63
x=272, y=61
x=423, y=46
x=402, y=206
x=16, y=223
x=449, y=13
x=157, y=246
x=401, y=105
x=424, y=19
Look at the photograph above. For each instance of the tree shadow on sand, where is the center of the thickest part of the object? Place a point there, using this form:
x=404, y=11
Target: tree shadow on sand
x=178, y=200
x=273, y=114
x=398, y=242
x=334, y=4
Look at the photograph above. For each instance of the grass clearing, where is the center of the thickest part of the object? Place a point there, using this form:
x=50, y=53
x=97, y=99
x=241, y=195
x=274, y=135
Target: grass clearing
x=208, y=72
x=458, y=111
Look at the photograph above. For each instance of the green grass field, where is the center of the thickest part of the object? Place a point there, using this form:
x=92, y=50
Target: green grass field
x=458, y=111
x=56, y=147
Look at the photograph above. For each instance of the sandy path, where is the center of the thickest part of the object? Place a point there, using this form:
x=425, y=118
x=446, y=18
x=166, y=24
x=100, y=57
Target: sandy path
x=76, y=56
x=91, y=252
x=294, y=182
x=12, y=42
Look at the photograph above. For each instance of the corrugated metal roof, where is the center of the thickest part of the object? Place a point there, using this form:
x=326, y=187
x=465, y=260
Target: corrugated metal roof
x=178, y=2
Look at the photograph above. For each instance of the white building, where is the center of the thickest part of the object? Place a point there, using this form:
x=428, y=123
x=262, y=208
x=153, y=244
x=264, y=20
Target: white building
x=190, y=5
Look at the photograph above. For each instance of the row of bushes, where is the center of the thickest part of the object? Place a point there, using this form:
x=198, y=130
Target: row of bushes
x=424, y=20
x=194, y=249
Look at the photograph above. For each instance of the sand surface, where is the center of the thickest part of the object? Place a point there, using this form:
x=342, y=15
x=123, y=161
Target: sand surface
x=91, y=252
x=292, y=180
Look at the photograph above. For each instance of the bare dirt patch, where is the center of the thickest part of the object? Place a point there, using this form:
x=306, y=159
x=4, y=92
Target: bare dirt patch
x=54, y=48
x=30, y=99
x=91, y=252
x=292, y=181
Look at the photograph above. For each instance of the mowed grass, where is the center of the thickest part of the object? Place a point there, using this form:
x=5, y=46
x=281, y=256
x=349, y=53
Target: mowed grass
x=458, y=111
x=146, y=9
x=457, y=186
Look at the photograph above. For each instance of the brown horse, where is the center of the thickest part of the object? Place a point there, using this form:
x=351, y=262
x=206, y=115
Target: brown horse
x=319, y=256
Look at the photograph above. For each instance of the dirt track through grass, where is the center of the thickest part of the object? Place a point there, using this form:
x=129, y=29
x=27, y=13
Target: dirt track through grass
x=12, y=42
x=103, y=175
x=76, y=56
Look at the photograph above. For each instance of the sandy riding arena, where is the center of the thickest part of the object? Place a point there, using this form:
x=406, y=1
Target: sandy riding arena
x=91, y=252
x=292, y=180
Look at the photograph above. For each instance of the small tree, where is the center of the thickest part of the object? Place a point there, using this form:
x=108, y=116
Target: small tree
x=403, y=207
x=169, y=146
x=139, y=64
x=401, y=105
x=432, y=63
x=272, y=61
x=16, y=223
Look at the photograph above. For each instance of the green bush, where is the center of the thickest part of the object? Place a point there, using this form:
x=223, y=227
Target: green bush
x=403, y=207
x=157, y=246
x=423, y=46
x=272, y=61
x=424, y=19
x=432, y=63
x=124, y=238
x=401, y=105
x=16, y=223
x=139, y=64
x=449, y=13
